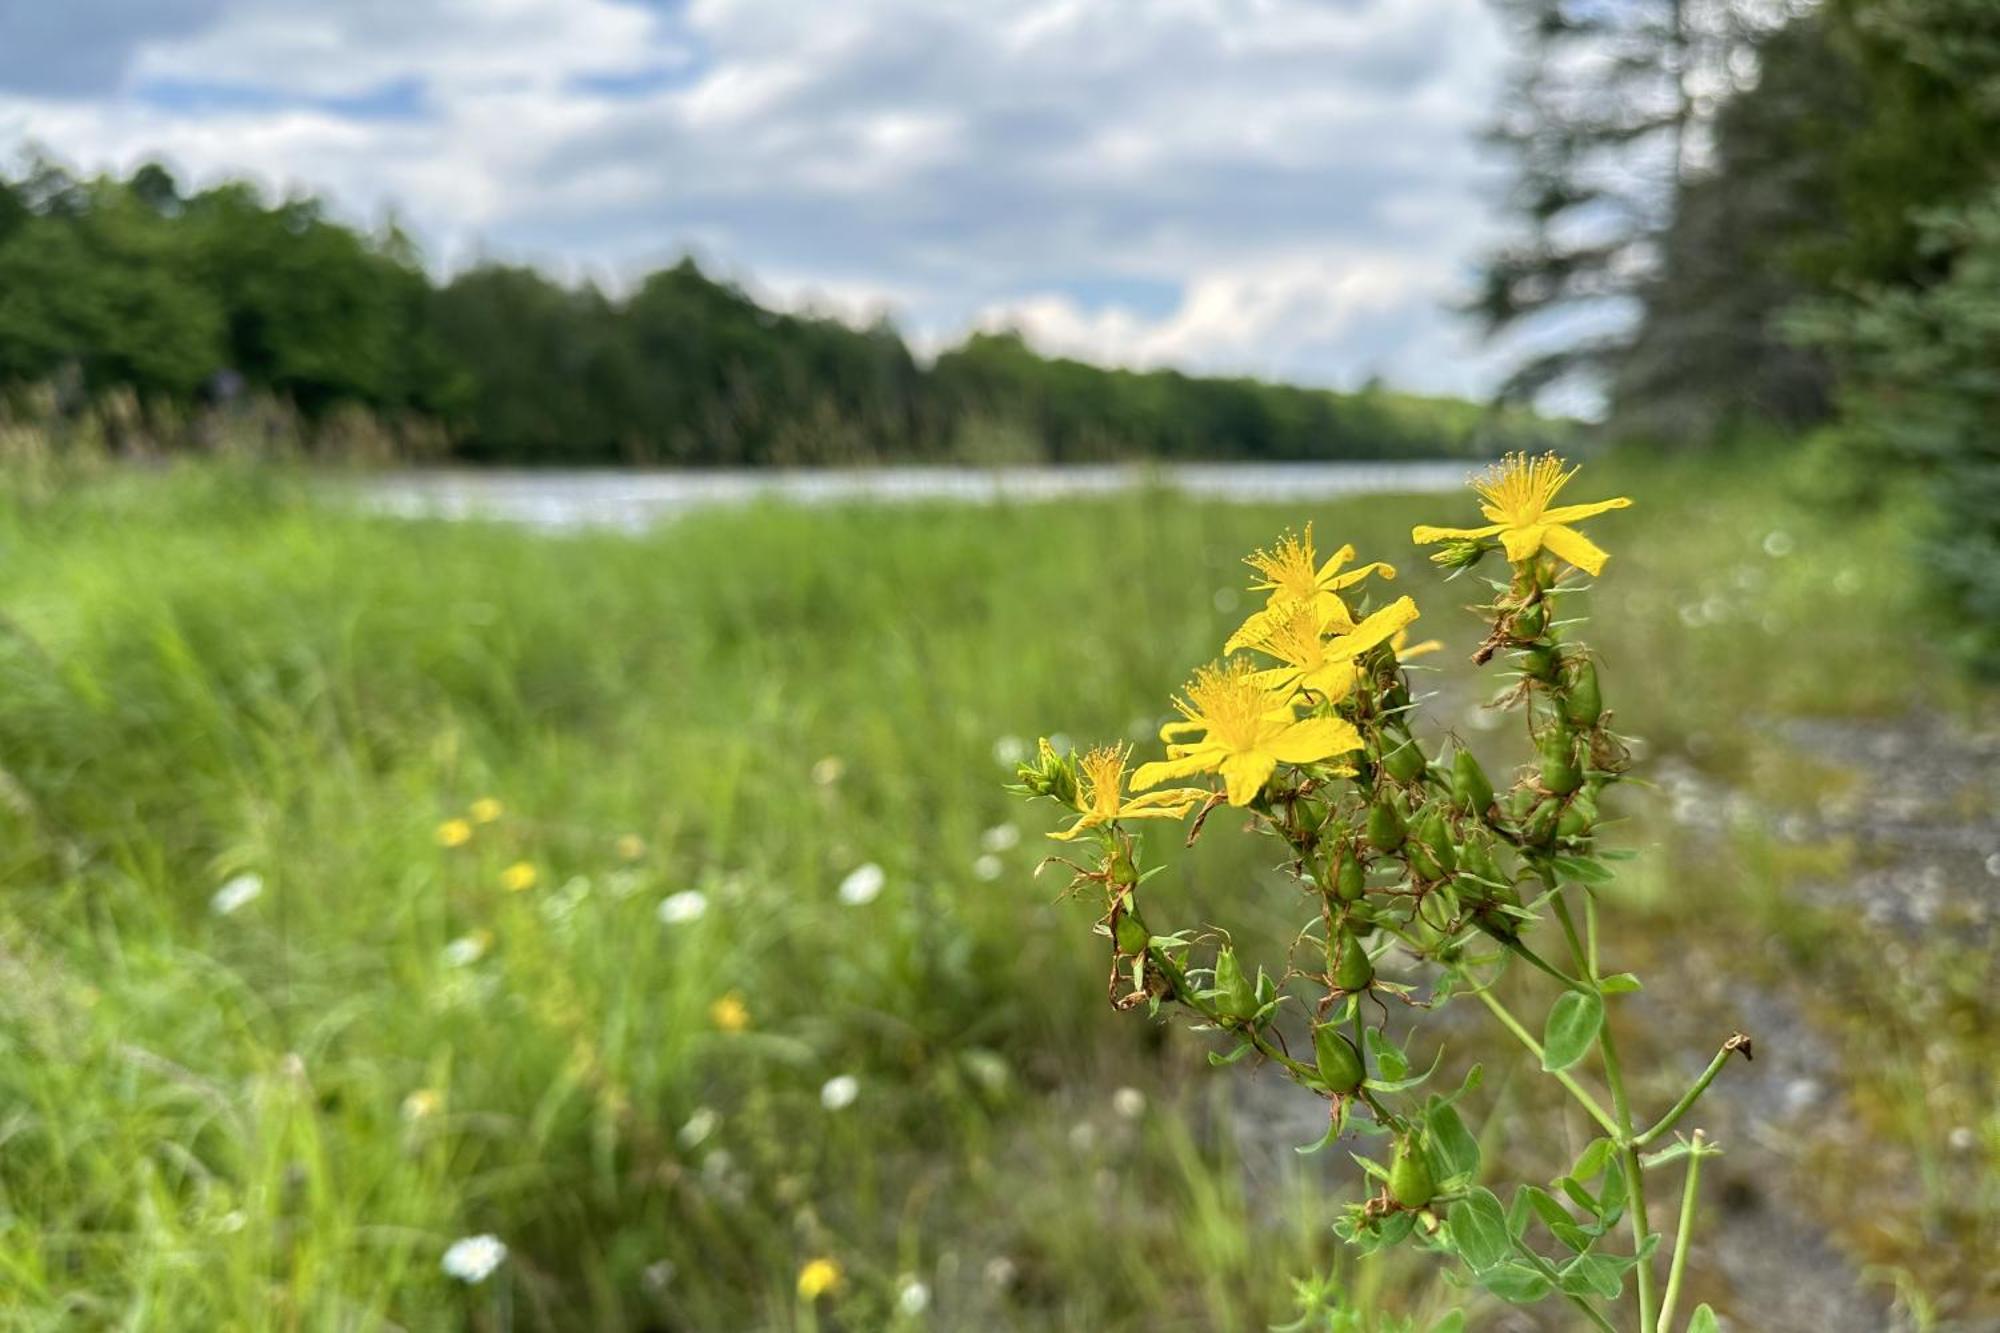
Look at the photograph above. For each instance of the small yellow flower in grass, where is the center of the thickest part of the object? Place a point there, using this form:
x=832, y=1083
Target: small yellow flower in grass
x=729, y=1013
x=519, y=877
x=1514, y=495
x=1327, y=667
x=485, y=810
x=454, y=833
x=1246, y=731
x=631, y=846
x=1103, y=796
x=817, y=1278
x=1292, y=574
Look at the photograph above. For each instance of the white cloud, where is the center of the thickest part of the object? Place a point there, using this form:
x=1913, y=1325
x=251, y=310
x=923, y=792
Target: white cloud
x=1286, y=187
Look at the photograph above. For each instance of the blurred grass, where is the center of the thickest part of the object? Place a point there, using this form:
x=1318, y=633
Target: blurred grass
x=208, y=672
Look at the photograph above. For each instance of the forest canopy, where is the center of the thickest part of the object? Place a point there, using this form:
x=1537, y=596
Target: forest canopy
x=172, y=299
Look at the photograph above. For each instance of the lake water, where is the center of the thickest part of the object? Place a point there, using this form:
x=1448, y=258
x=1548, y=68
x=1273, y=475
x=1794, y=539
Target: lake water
x=637, y=498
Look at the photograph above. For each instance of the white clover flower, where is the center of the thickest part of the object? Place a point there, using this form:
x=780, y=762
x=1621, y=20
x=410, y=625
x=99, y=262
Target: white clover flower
x=466, y=949
x=687, y=905
x=913, y=1297
x=863, y=884
x=989, y=867
x=1000, y=838
x=698, y=1127
x=238, y=892
x=472, y=1259
x=1009, y=751
x=838, y=1093
x=1129, y=1102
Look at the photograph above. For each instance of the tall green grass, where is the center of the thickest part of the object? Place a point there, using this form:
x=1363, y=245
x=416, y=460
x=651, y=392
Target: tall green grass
x=281, y=1115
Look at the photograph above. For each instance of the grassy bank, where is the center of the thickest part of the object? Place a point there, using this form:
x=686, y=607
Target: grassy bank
x=280, y=1114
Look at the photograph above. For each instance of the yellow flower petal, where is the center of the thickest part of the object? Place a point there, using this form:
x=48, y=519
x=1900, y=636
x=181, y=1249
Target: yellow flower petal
x=1313, y=738
x=1576, y=548
x=1521, y=542
x=1577, y=513
x=1244, y=775
x=1424, y=533
x=1197, y=759
x=1354, y=576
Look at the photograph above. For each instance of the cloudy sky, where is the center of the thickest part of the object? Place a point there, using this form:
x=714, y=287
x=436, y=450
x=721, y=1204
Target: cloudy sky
x=1290, y=188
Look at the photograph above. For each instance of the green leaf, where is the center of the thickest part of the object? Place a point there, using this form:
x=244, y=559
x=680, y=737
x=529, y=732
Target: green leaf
x=1592, y=1159
x=1389, y=1058
x=1451, y=1323
x=1556, y=1218
x=1593, y=1274
x=1335, y=1123
x=1582, y=871
x=1573, y=1025
x=1619, y=983
x=1515, y=1282
x=1479, y=1230
x=1702, y=1321
x=1456, y=1151
x=1371, y=1166
x=1405, y=1084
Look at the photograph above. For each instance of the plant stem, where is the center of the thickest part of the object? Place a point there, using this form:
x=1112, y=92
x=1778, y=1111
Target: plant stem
x=1577, y=1090
x=1688, y=1098
x=1682, y=1234
x=1621, y=1106
x=1536, y=960
x=1548, y=1270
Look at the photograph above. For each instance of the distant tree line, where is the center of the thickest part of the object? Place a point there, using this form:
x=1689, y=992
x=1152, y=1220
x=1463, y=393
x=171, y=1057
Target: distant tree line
x=174, y=306
x=1757, y=217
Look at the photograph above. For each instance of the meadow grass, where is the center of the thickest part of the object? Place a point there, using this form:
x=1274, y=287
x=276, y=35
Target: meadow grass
x=279, y=1116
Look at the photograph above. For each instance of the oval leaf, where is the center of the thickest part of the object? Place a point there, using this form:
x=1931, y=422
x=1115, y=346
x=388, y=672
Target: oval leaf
x=1573, y=1027
x=1479, y=1230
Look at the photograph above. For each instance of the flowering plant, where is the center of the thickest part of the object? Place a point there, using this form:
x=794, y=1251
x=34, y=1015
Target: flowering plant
x=1391, y=848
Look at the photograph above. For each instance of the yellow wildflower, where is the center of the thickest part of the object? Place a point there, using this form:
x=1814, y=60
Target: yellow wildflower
x=1405, y=650
x=818, y=1277
x=1325, y=666
x=1103, y=799
x=1514, y=495
x=1246, y=730
x=485, y=810
x=454, y=833
x=1292, y=573
x=729, y=1013
x=519, y=877
x=631, y=846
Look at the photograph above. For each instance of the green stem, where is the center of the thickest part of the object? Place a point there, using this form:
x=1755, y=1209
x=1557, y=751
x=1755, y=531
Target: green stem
x=1682, y=1235
x=1536, y=960
x=1577, y=1090
x=1621, y=1106
x=1688, y=1098
x=1548, y=1270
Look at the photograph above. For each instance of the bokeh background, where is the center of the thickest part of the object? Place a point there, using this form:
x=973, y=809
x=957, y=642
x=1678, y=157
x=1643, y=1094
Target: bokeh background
x=532, y=536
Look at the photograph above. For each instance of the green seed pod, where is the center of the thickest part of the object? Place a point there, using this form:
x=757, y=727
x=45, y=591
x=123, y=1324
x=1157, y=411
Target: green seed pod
x=1584, y=701
x=1350, y=881
x=1578, y=817
x=1540, y=826
x=1531, y=620
x=1435, y=837
x=1560, y=773
x=1539, y=663
x=1234, y=996
x=1477, y=857
x=1360, y=924
x=1131, y=934
x=1339, y=1063
x=1519, y=802
x=1351, y=969
x=1469, y=783
x=1124, y=874
x=1402, y=760
x=1385, y=825
x=1410, y=1181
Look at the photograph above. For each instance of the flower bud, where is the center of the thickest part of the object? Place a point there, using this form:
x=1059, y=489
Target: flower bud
x=1401, y=759
x=1350, y=881
x=1410, y=1181
x=1430, y=851
x=1578, y=817
x=1340, y=1065
x=1560, y=773
x=1531, y=620
x=1234, y=995
x=1351, y=969
x=1385, y=825
x=1459, y=552
x=1583, y=702
x=1130, y=934
x=1469, y=783
x=1050, y=774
